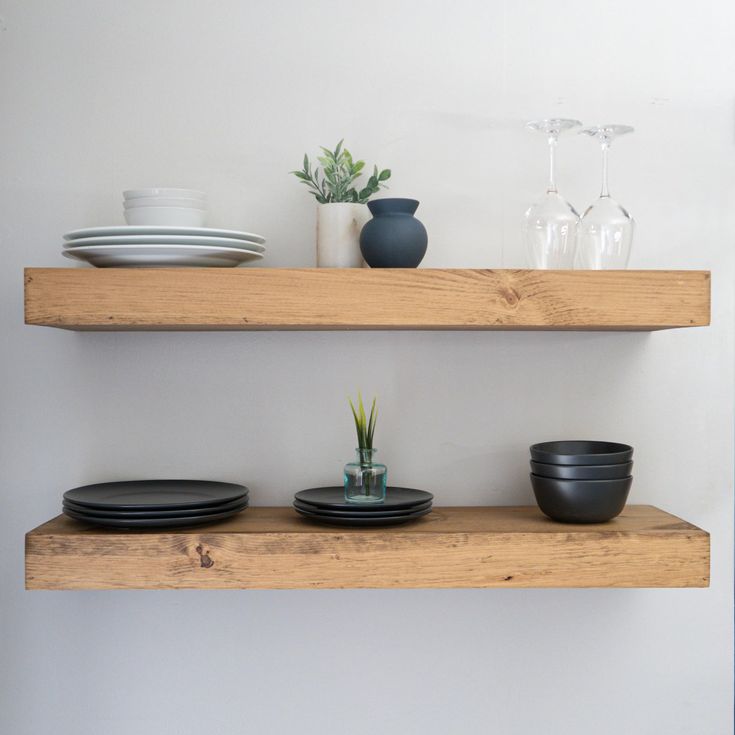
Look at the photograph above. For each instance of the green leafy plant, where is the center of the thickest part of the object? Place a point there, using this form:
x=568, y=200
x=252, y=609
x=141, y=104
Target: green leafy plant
x=335, y=181
x=365, y=426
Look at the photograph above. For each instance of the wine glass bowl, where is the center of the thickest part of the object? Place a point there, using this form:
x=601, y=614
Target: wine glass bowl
x=605, y=235
x=550, y=232
x=550, y=225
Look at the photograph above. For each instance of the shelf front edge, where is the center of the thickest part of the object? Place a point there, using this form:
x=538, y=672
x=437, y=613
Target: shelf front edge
x=335, y=299
x=272, y=548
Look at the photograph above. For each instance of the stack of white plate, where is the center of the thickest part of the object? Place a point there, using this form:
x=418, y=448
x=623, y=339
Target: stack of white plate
x=167, y=207
x=154, y=247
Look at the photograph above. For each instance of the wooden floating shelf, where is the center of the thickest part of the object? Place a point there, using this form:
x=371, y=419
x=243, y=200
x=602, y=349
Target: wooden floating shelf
x=274, y=548
x=311, y=298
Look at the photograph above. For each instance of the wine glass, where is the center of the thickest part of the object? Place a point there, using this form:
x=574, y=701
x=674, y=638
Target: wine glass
x=606, y=230
x=550, y=225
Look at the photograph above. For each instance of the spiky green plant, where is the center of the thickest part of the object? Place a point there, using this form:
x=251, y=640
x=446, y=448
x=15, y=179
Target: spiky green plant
x=365, y=426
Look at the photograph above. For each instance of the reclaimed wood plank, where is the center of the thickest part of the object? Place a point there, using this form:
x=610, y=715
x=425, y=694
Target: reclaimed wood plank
x=453, y=547
x=315, y=299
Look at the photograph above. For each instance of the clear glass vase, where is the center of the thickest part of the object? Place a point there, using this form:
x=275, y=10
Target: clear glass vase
x=365, y=480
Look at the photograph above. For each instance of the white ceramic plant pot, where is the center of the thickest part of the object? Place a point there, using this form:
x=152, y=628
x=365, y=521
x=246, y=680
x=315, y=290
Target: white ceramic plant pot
x=338, y=226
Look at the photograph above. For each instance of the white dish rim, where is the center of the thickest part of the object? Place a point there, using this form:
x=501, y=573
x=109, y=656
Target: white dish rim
x=171, y=230
x=140, y=246
x=160, y=240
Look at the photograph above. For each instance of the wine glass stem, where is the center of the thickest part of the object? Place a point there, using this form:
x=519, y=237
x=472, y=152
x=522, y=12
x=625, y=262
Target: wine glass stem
x=552, y=156
x=605, y=191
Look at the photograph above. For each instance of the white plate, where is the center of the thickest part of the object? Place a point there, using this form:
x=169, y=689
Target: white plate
x=226, y=242
x=152, y=256
x=161, y=230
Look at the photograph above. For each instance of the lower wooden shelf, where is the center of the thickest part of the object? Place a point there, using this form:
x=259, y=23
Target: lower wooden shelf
x=274, y=548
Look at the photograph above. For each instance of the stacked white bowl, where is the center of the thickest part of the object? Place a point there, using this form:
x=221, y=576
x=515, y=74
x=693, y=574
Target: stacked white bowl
x=165, y=207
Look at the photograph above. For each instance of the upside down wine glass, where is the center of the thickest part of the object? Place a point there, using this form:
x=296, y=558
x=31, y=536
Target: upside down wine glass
x=550, y=225
x=606, y=230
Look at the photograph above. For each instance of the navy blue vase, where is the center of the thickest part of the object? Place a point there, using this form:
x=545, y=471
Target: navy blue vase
x=393, y=238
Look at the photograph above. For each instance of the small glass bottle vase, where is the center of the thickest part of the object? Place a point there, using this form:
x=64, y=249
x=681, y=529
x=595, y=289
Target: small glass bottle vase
x=365, y=480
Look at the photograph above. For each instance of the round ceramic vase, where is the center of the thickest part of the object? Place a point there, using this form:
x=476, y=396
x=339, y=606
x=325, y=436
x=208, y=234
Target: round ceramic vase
x=393, y=238
x=338, y=226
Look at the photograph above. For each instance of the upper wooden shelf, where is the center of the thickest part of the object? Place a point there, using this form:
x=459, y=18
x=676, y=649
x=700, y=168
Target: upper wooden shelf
x=311, y=298
x=274, y=548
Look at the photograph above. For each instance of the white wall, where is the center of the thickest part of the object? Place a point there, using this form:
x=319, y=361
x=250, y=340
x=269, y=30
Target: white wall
x=99, y=95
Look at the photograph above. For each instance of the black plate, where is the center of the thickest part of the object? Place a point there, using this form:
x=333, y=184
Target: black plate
x=333, y=498
x=363, y=519
x=132, y=514
x=155, y=494
x=581, y=452
x=309, y=508
x=192, y=520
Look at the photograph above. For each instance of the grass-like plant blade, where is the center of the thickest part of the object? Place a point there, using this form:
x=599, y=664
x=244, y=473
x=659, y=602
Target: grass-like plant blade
x=358, y=427
x=363, y=422
x=371, y=424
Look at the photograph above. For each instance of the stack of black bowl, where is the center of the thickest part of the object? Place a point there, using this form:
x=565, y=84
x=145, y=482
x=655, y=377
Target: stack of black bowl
x=581, y=481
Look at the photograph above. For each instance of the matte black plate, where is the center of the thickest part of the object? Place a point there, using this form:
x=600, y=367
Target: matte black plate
x=362, y=519
x=333, y=498
x=309, y=508
x=155, y=494
x=132, y=514
x=581, y=452
x=193, y=520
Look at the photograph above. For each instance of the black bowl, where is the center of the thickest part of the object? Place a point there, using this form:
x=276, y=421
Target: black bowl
x=581, y=501
x=583, y=472
x=581, y=452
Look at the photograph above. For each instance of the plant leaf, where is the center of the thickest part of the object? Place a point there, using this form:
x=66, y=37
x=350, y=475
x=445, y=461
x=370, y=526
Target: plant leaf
x=358, y=414
x=371, y=423
x=384, y=175
x=357, y=423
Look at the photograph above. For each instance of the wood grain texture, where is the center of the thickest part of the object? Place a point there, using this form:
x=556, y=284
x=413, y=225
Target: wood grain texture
x=311, y=298
x=274, y=548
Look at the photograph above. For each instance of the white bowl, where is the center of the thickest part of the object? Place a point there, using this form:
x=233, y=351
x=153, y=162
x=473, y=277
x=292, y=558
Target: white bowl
x=166, y=216
x=165, y=202
x=158, y=192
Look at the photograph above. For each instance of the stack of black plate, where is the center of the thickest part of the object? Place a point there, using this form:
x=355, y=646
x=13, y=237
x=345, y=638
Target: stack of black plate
x=328, y=505
x=155, y=503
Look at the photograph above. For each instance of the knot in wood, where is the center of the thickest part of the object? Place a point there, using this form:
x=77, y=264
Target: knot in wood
x=511, y=296
x=205, y=561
